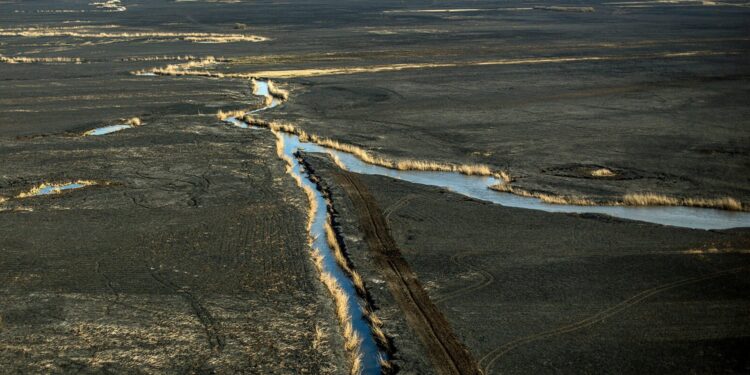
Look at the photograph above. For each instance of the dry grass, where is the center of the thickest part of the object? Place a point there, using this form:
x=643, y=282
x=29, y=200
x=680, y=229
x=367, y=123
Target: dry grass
x=221, y=115
x=373, y=318
x=277, y=92
x=652, y=199
x=42, y=60
x=603, y=172
x=316, y=72
x=134, y=121
x=352, y=341
x=337, y=160
x=385, y=364
x=294, y=73
x=56, y=187
x=110, y=5
x=320, y=337
x=341, y=258
x=714, y=250
x=186, y=68
x=566, y=9
x=88, y=32
x=368, y=157
x=633, y=199
x=159, y=58
x=357, y=364
x=544, y=197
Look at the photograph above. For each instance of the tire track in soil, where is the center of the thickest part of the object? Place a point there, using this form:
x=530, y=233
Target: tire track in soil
x=448, y=354
x=215, y=340
x=491, y=358
x=486, y=278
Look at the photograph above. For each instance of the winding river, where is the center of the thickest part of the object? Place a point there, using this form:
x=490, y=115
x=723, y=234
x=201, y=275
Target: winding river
x=471, y=186
x=478, y=187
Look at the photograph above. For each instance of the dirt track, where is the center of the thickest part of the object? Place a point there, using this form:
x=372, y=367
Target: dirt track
x=448, y=354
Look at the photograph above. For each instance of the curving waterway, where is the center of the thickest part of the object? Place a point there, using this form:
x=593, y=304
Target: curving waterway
x=478, y=187
x=471, y=186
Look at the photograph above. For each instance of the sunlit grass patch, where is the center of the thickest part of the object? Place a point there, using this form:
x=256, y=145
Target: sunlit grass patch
x=602, y=172
x=632, y=199
x=652, y=199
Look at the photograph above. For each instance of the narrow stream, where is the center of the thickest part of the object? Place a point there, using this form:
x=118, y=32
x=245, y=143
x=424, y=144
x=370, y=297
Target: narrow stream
x=368, y=348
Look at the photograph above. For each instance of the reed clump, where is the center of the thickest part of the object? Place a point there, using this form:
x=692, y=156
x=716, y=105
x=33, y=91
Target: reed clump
x=134, y=122
x=652, y=199
x=41, y=60
x=277, y=92
x=221, y=115
x=506, y=187
x=93, y=33
x=342, y=260
x=352, y=341
x=603, y=172
x=186, y=68
x=337, y=160
x=320, y=337
x=632, y=199
x=159, y=58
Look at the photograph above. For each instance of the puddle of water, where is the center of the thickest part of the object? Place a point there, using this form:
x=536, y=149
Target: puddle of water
x=48, y=189
x=56, y=189
x=108, y=129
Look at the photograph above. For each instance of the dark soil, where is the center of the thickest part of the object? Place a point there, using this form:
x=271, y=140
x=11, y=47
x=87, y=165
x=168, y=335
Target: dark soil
x=536, y=292
x=190, y=256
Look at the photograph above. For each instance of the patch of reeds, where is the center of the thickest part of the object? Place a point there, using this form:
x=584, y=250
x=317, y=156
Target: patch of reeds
x=92, y=33
x=320, y=337
x=40, y=60
x=632, y=199
x=566, y=9
x=603, y=172
x=221, y=115
x=134, y=121
x=277, y=92
x=186, y=68
x=352, y=341
x=652, y=199
x=337, y=160
x=159, y=58
x=506, y=187
x=342, y=260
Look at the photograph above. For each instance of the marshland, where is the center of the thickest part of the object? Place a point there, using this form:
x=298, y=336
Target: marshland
x=374, y=187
